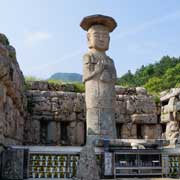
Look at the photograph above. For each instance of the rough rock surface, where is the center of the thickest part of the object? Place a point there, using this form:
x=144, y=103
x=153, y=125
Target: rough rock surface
x=12, y=164
x=129, y=131
x=12, y=99
x=170, y=114
x=55, y=117
x=172, y=131
x=87, y=166
x=152, y=131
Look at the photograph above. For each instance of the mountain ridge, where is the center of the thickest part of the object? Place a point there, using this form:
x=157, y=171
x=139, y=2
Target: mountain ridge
x=67, y=77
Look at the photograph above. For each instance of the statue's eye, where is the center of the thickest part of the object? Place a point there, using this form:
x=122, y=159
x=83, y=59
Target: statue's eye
x=96, y=35
x=105, y=36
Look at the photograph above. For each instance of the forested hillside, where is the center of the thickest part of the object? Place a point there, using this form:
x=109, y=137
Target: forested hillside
x=156, y=77
x=67, y=77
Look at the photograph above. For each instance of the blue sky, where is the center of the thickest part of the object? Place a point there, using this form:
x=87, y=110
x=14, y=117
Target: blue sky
x=48, y=39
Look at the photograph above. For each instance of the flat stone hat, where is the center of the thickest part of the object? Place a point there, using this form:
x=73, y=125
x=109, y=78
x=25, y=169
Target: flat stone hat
x=107, y=21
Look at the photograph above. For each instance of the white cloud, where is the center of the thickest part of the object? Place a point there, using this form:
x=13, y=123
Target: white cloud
x=36, y=37
x=149, y=24
x=55, y=63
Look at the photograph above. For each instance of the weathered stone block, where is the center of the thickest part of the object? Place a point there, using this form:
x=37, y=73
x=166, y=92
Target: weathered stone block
x=42, y=106
x=120, y=90
x=177, y=106
x=66, y=116
x=172, y=130
x=39, y=85
x=122, y=118
x=81, y=116
x=144, y=118
x=52, y=130
x=3, y=90
x=2, y=128
x=3, y=51
x=80, y=129
x=165, y=117
x=54, y=106
x=40, y=98
x=129, y=131
x=167, y=108
x=35, y=131
x=172, y=93
x=141, y=90
x=151, y=131
x=130, y=105
x=72, y=133
x=177, y=116
x=12, y=164
x=158, y=110
x=120, y=107
x=144, y=104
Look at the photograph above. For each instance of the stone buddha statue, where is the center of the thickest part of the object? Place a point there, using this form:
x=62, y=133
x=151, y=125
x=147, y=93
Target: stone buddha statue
x=99, y=76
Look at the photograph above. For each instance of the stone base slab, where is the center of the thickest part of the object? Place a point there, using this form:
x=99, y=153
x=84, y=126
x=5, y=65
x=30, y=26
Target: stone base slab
x=111, y=179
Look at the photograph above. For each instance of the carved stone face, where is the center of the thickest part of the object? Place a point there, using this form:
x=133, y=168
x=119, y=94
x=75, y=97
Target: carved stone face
x=98, y=38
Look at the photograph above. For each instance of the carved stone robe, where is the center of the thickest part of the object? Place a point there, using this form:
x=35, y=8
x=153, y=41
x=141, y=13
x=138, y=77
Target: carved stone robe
x=99, y=76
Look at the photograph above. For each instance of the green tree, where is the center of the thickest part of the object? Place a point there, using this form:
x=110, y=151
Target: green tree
x=127, y=79
x=156, y=77
x=172, y=77
x=31, y=78
x=154, y=85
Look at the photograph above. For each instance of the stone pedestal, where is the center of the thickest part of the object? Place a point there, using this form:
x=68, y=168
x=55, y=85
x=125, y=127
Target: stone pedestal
x=87, y=167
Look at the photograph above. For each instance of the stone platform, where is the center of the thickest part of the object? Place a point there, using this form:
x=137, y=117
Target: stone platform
x=117, y=179
x=37, y=155
x=144, y=179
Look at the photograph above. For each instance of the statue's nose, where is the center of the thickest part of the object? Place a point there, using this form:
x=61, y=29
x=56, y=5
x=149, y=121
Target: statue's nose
x=101, y=38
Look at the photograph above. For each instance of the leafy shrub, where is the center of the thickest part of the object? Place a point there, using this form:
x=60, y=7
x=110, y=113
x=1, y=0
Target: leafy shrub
x=54, y=81
x=156, y=77
x=31, y=78
x=79, y=87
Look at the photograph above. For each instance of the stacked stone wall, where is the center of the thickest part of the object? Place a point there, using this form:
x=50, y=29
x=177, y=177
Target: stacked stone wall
x=56, y=111
x=62, y=114
x=170, y=114
x=137, y=113
x=56, y=114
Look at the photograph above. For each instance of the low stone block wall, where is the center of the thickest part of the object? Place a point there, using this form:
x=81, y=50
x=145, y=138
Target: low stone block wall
x=59, y=117
x=170, y=114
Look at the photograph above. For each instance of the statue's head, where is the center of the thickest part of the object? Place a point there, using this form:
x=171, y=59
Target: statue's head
x=98, y=28
x=98, y=37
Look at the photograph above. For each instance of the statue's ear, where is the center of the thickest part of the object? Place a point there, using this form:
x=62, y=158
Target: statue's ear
x=88, y=36
x=89, y=41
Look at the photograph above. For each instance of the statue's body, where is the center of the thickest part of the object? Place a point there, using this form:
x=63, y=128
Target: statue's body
x=99, y=76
